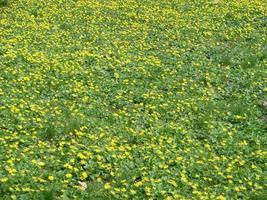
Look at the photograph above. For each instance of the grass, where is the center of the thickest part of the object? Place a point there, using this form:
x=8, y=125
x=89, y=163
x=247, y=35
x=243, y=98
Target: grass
x=133, y=99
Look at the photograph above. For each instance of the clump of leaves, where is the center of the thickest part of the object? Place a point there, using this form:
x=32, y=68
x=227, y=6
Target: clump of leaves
x=72, y=124
x=49, y=132
x=3, y=2
x=48, y=195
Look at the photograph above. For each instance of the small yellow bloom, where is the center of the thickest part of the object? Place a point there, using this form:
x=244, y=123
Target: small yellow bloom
x=237, y=189
x=3, y=180
x=172, y=182
x=68, y=175
x=242, y=162
x=84, y=175
x=107, y=186
x=138, y=184
x=253, y=166
x=51, y=178
x=81, y=156
x=41, y=164
x=168, y=198
x=33, y=161
x=14, y=109
x=221, y=197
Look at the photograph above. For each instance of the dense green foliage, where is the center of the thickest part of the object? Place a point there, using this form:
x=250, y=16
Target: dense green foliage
x=133, y=99
x=3, y=2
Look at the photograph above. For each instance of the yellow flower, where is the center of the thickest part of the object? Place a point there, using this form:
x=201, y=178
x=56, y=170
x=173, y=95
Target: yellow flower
x=221, y=197
x=253, y=166
x=51, y=178
x=168, y=198
x=3, y=180
x=14, y=109
x=68, y=175
x=81, y=156
x=137, y=184
x=84, y=175
x=107, y=186
x=41, y=164
x=172, y=182
x=237, y=189
x=242, y=162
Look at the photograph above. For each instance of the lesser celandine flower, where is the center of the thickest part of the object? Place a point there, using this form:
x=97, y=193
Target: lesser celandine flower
x=107, y=186
x=68, y=175
x=51, y=178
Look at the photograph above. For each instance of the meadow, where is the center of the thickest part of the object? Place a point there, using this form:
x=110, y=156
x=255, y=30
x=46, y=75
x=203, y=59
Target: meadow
x=133, y=99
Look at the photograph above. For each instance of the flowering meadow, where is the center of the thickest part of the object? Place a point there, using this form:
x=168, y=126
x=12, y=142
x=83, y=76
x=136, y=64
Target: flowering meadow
x=133, y=99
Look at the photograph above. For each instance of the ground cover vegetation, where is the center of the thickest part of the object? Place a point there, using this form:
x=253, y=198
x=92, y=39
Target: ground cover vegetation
x=133, y=99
